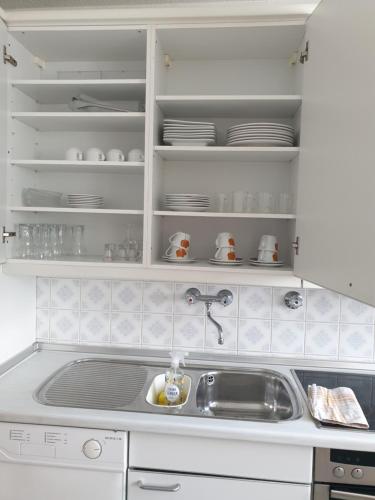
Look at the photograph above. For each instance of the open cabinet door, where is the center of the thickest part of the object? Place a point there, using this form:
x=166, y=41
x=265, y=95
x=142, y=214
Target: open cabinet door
x=336, y=192
x=3, y=138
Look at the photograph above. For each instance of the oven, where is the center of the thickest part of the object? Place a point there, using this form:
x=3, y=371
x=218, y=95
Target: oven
x=344, y=475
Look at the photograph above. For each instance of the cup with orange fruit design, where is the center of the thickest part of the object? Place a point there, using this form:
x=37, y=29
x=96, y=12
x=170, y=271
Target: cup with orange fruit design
x=179, y=246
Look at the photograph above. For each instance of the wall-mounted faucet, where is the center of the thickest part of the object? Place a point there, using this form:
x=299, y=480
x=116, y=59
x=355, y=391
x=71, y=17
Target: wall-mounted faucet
x=224, y=297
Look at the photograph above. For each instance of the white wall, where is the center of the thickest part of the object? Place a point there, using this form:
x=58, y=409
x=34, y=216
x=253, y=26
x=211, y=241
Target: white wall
x=17, y=314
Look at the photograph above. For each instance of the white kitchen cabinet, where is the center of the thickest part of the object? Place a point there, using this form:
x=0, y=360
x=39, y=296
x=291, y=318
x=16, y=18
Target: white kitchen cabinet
x=3, y=137
x=227, y=74
x=144, y=485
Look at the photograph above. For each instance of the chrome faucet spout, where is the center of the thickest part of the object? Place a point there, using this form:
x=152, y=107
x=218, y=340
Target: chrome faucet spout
x=220, y=339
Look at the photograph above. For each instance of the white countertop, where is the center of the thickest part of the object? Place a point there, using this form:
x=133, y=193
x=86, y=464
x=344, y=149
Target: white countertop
x=17, y=404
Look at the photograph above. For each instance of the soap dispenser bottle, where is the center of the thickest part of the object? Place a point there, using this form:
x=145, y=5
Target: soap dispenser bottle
x=175, y=392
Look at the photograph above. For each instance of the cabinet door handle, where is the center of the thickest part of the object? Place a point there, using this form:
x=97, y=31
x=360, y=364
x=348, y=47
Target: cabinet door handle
x=155, y=487
x=347, y=495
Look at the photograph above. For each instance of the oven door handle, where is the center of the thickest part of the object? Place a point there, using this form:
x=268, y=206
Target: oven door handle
x=347, y=495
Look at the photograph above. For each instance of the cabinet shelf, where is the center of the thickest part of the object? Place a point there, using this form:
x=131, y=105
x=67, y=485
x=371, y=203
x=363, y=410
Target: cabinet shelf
x=227, y=153
x=227, y=215
x=62, y=91
x=97, y=211
x=104, y=167
x=204, y=265
x=231, y=106
x=82, y=122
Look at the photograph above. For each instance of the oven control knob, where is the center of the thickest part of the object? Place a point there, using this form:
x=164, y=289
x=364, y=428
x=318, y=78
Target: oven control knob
x=357, y=473
x=339, y=472
x=92, y=449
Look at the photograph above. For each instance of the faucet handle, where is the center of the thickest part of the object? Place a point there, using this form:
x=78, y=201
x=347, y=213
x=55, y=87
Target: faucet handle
x=192, y=295
x=225, y=297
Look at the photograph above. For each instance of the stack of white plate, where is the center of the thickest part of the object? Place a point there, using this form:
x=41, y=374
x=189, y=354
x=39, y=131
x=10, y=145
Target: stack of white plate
x=186, y=133
x=85, y=201
x=261, y=134
x=186, y=202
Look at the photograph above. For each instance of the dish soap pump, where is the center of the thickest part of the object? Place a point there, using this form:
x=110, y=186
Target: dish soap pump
x=175, y=392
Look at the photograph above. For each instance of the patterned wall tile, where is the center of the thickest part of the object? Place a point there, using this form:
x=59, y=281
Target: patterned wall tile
x=64, y=325
x=356, y=342
x=229, y=334
x=126, y=328
x=288, y=337
x=94, y=327
x=353, y=311
x=230, y=311
x=189, y=331
x=157, y=330
x=254, y=335
x=158, y=297
x=95, y=295
x=65, y=294
x=42, y=324
x=255, y=302
x=322, y=339
x=127, y=296
x=43, y=292
x=322, y=305
x=280, y=311
x=180, y=304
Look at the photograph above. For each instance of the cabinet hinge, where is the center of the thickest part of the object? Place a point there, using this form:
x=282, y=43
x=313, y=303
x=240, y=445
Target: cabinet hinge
x=304, y=55
x=7, y=58
x=8, y=234
x=296, y=244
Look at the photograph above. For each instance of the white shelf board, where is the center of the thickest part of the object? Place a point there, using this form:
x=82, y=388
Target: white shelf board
x=222, y=215
x=98, y=211
x=227, y=153
x=87, y=122
x=204, y=265
x=81, y=166
x=91, y=260
x=232, y=106
x=62, y=91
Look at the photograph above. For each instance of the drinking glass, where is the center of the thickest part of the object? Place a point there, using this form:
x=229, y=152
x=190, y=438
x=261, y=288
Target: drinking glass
x=285, y=203
x=265, y=202
x=78, y=241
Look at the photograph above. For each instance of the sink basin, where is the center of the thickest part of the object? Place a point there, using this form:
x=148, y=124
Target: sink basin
x=255, y=395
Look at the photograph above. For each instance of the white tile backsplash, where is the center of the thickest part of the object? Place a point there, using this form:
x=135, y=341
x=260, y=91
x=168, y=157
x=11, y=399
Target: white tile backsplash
x=154, y=314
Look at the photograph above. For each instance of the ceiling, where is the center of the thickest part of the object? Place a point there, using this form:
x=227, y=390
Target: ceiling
x=48, y=4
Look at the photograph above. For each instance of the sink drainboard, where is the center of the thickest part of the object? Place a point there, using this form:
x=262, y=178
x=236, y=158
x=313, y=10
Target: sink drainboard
x=95, y=384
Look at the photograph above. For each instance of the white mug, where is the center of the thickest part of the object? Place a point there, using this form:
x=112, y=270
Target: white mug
x=180, y=239
x=136, y=155
x=115, y=155
x=268, y=256
x=73, y=154
x=268, y=242
x=94, y=154
x=226, y=254
x=265, y=202
x=238, y=201
x=177, y=252
x=225, y=240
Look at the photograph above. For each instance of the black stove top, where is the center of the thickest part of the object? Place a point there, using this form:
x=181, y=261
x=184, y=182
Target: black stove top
x=363, y=387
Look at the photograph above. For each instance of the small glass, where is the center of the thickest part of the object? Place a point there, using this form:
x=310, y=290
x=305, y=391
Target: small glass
x=78, y=247
x=109, y=252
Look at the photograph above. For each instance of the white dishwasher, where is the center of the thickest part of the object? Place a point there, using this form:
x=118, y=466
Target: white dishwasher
x=39, y=462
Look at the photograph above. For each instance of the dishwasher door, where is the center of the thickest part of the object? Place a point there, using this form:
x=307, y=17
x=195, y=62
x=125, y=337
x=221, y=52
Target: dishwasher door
x=60, y=463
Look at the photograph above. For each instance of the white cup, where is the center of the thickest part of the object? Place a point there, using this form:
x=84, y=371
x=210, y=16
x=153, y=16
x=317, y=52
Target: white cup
x=177, y=252
x=225, y=240
x=268, y=256
x=238, y=201
x=226, y=254
x=268, y=242
x=222, y=202
x=94, y=154
x=136, y=155
x=115, y=155
x=265, y=202
x=73, y=154
x=180, y=240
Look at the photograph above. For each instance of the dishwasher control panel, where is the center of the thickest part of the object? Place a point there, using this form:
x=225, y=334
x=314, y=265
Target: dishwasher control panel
x=80, y=445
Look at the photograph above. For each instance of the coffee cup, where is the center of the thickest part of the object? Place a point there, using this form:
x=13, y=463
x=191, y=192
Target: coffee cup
x=268, y=242
x=115, y=155
x=225, y=240
x=94, y=154
x=136, y=155
x=268, y=256
x=226, y=254
x=177, y=252
x=180, y=239
x=73, y=154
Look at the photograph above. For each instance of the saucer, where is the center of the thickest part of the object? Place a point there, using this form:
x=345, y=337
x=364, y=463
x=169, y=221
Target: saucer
x=216, y=262
x=179, y=261
x=256, y=262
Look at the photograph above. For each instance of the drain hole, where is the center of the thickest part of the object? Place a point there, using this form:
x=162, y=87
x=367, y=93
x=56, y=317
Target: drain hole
x=210, y=379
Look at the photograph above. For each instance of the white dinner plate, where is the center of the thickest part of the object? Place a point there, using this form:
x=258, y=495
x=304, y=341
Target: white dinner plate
x=174, y=208
x=190, y=142
x=179, y=261
x=260, y=143
x=256, y=262
x=216, y=262
x=185, y=122
x=281, y=126
x=259, y=136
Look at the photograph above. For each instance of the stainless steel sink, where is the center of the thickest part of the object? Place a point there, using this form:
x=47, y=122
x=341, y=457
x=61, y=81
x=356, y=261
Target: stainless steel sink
x=257, y=395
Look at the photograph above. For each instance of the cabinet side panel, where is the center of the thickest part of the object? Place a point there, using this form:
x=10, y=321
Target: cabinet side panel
x=3, y=136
